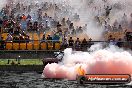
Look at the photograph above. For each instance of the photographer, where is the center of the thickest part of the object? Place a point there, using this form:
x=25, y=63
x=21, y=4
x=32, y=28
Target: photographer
x=128, y=38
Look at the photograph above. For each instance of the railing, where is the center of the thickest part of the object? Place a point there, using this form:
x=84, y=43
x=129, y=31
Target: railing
x=30, y=45
x=45, y=45
x=39, y=49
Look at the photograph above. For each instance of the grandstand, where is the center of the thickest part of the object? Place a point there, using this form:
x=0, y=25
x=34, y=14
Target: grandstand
x=29, y=31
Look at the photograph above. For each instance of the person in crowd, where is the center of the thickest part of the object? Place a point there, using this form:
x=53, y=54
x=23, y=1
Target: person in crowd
x=22, y=39
x=56, y=37
x=23, y=17
x=29, y=8
x=110, y=38
x=77, y=29
x=2, y=43
x=115, y=29
x=49, y=38
x=128, y=36
x=45, y=15
x=120, y=29
x=9, y=37
x=66, y=32
x=43, y=38
x=53, y=23
x=18, y=18
x=56, y=7
x=23, y=25
x=64, y=44
x=128, y=39
x=110, y=28
x=40, y=12
x=17, y=31
x=124, y=21
x=8, y=62
x=13, y=63
x=71, y=42
x=29, y=25
x=23, y=33
x=47, y=25
x=0, y=36
x=71, y=26
x=10, y=26
x=90, y=43
x=119, y=43
x=107, y=10
x=68, y=22
x=18, y=7
x=73, y=32
x=35, y=26
x=40, y=18
x=63, y=22
x=41, y=27
x=80, y=30
x=77, y=44
x=1, y=30
x=59, y=30
x=112, y=42
x=76, y=17
x=85, y=27
x=84, y=43
x=29, y=17
x=105, y=30
x=16, y=39
x=27, y=39
x=1, y=22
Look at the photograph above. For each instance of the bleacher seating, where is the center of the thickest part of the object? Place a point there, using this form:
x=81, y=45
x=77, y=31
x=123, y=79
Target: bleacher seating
x=8, y=46
x=36, y=46
x=41, y=36
x=43, y=46
x=36, y=42
x=115, y=35
x=22, y=46
x=33, y=45
x=35, y=36
x=50, y=46
x=30, y=36
x=29, y=46
x=15, y=46
x=57, y=46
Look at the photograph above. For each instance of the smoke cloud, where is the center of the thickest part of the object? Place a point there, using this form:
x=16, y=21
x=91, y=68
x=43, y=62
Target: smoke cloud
x=110, y=60
x=2, y=3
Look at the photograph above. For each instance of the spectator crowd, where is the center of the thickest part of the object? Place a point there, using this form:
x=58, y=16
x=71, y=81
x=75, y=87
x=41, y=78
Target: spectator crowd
x=18, y=20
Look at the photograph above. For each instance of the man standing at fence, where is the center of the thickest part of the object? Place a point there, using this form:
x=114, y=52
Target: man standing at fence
x=71, y=42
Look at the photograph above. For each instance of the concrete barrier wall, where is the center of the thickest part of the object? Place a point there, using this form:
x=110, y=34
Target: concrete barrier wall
x=25, y=54
x=22, y=68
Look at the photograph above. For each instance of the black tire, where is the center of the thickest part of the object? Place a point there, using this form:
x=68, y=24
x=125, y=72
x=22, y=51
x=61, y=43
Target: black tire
x=81, y=80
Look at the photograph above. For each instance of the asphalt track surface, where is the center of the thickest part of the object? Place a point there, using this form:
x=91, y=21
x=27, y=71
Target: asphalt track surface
x=35, y=80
